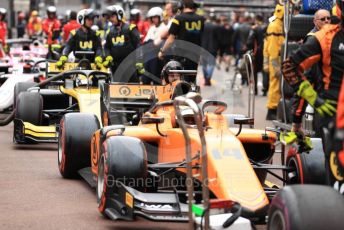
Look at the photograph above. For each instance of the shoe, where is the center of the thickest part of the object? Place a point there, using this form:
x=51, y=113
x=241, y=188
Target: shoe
x=271, y=115
x=264, y=93
x=207, y=82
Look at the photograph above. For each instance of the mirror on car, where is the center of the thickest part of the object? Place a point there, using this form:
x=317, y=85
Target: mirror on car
x=243, y=121
x=152, y=120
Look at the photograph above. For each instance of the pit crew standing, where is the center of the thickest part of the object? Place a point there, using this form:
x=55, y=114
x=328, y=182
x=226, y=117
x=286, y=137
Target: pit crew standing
x=3, y=27
x=83, y=39
x=34, y=25
x=210, y=43
x=51, y=26
x=121, y=40
x=188, y=26
x=255, y=42
x=142, y=25
x=69, y=26
x=104, y=24
x=153, y=41
x=272, y=60
x=326, y=46
x=314, y=75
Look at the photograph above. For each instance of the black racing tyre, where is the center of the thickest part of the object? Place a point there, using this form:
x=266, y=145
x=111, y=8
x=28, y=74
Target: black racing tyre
x=123, y=159
x=29, y=107
x=300, y=25
x=74, y=143
x=307, y=168
x=292, y=46
x=300, y=207
x=21, y=87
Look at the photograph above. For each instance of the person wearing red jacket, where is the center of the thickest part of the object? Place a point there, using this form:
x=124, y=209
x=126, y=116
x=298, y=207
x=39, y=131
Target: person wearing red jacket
x=34, y=25
x=71, y=25
x=51, y=26
x=3, y=27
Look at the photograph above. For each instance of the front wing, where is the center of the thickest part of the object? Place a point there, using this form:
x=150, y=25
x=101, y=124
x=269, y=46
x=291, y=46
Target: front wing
x=26, y=132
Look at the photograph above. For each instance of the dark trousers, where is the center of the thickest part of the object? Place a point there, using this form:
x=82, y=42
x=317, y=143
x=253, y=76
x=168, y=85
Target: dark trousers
x=265, y=82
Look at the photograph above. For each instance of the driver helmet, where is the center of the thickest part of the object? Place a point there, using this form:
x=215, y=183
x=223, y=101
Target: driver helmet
x=171, y=65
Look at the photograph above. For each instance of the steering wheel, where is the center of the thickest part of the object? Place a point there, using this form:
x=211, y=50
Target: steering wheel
x=181, y=88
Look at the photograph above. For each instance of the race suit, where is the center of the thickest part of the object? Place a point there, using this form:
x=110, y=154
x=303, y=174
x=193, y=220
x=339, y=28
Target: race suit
x=272, y=47
x=3, y=33
x=80, y=40
x=121, y=41
x=326, y=46
x=34, y=26
x=51, y=28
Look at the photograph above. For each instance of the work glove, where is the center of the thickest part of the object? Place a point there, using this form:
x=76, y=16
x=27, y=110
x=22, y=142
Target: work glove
x=266, y=64
x=140, y=68
x=63, y=59
x=304, y=142
x=322, y=106
x=99, y=62
x=108, y=61
x=290, y=72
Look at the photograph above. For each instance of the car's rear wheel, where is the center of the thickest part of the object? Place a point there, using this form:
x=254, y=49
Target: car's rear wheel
x=300, y=207
x=307, y=168
x=123, y=159
x=74, y=144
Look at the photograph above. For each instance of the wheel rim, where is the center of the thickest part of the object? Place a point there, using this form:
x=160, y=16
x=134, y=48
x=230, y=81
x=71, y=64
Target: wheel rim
x=100, y=182
x=61, y=143
x=59, y=152
x=277, y=221
x=294, y=175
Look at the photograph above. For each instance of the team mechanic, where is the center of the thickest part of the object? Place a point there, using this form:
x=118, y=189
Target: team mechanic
x=187, y=26
x=314, y=75
x=51, y=26
x=327, y=46
x=83, y=39
x=272, y=60
x=121, y=39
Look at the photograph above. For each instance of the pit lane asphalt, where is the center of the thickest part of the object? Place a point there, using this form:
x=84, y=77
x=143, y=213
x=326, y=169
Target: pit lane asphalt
x=33, y=195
